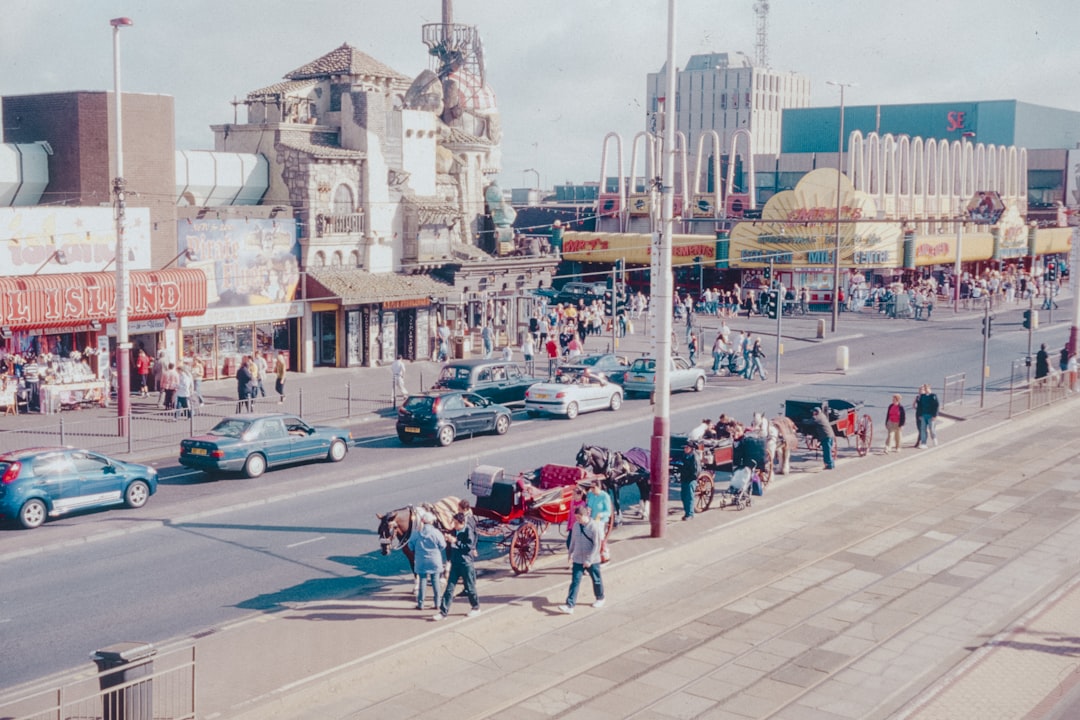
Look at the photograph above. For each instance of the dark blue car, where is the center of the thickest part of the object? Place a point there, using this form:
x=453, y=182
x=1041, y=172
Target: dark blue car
x=39, y=483
x=252, y=443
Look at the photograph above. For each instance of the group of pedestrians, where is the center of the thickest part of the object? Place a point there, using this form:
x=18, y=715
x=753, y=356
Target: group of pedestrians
x=251, y=376
x=742, y=355
x=432, y=548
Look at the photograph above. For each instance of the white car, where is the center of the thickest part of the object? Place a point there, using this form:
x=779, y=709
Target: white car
x=579, y=394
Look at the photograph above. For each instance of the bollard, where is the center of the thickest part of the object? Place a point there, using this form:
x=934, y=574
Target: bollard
x=348, y=400
x=300, y=407
x=820, y=329
x=841, y=357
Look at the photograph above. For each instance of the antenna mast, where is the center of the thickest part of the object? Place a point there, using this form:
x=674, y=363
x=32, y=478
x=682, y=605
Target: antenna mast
x=761, y=48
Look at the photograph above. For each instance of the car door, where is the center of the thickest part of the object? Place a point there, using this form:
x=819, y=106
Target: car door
x=268, y=436
x=304, y=442
x=517, y=382
x=481, y=413
x=681, y=376
x=97, y=479
x=483, y=384
x=500, y=385
x=454, y=411
x=55, y=479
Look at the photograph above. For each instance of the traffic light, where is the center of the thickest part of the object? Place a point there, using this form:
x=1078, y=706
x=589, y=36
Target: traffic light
x=1027, y=319
x=1052, y=271
x=988, y=326
x=768, y=273
x=609, y=300
x=621, y=301
x=619, y=271
x=772, y=303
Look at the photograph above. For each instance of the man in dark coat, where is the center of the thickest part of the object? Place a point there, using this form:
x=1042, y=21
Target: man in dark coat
x=243, y=387
x=1042, y=362
x=462, y=541
x=689, y=469
x=825, y=435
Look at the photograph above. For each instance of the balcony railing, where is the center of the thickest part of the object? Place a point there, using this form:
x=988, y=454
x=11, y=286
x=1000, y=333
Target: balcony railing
x=340, y=224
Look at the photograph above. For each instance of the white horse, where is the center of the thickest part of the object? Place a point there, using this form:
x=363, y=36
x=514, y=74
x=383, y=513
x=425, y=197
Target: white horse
x=780, y=436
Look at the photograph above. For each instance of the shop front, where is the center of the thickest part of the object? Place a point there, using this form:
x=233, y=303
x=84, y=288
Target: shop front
x=57, y=332
x=222, y=337
x=362, y=319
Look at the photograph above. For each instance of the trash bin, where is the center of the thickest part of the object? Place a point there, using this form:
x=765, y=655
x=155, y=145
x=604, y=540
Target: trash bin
x=458, y=344
x=131, y=661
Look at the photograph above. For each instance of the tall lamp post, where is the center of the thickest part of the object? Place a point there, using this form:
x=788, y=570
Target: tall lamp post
x=839, y=175
x=123, y=345
x=537, y=173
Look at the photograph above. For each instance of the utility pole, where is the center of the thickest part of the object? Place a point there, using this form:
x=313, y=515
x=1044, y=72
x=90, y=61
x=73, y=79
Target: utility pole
x=987, y=320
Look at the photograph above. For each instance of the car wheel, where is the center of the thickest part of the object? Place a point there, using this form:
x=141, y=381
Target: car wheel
x=502, y=424
x=255, y=465
x=571, y=411
x=699, y=385
x=405, y=439
x=337, y=451
x=446, y=435
x=616, y=402
x=32, y=514
x=137, y=494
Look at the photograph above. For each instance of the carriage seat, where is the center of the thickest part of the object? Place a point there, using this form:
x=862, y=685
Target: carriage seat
x=560, y=475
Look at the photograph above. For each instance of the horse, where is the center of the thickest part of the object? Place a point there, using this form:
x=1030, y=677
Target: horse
x=396, y=526
x=618, y=472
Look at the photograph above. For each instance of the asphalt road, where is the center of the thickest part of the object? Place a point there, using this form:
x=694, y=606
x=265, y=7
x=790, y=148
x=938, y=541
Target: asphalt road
x=205, y=553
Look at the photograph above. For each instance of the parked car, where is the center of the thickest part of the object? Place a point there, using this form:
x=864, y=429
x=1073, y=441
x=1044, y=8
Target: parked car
x=609, y=365
x=442, y=415
x=641, y=377
x=573, y=395
x=39, y=483
x=573, y=292
x=497, y=380
x=252, y=443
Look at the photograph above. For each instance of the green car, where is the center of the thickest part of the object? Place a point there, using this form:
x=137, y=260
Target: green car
x=252, y=443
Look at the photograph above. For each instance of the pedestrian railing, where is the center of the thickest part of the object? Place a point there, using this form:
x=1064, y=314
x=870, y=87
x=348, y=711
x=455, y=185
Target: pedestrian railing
x=1025, y=396
x=952, y=390
x=162, y=688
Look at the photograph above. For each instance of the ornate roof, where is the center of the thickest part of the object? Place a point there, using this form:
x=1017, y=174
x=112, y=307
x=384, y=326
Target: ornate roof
x=359, y=287
x=282, y=88
x=345, y=60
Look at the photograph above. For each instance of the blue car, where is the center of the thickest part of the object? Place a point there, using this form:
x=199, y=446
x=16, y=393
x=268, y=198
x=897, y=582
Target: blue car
x=252, y=443
x=39, y=483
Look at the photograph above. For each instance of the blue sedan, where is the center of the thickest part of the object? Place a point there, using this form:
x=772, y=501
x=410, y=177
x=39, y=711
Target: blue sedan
x=252, y=443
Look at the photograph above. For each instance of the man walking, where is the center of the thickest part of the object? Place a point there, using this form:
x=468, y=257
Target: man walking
x=280, y=369
x=584, y=556
x=461, y=541
x=397, y=373
x=825, y=435
x=689, y=470
x=926, y=410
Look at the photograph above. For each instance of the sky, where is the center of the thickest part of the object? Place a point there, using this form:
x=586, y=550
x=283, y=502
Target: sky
x=565, y=72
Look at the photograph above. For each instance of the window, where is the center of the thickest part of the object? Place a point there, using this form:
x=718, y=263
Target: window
x=87, y=464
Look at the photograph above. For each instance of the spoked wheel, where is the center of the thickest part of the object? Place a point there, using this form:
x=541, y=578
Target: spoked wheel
x=812, y=443
x=703, y=496
x=864, y=438
x=524, y=548
x=767, y=472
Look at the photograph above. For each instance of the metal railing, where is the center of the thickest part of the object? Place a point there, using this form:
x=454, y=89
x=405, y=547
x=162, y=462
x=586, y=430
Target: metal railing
x=1025, y=396
x=952, y=390
x=166, y=692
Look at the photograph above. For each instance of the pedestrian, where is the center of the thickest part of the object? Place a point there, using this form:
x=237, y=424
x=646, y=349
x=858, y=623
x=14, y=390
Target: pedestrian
x=719, y=350
x=261, y=366
x=552, y=349
x=160, y=366
x=689, y=469
x=461, y=541
x=397, y=373
x=243, y=386
x=488, y=339
x=824, y=431
x=507, y=353
x=691, y=349
x=528, y=350
x=280, y=369
x=170, y=379
x=184, y=387
x=427, y=547
x=198, y=370
x=255, y=383
x=599, y=503
x=584, y=555
x=757, y=356
x=142, y=368
x=895, y=417
x=1042, y=362
x=926, y=410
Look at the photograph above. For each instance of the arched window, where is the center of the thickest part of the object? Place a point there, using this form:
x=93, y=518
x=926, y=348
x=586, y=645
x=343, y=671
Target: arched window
x=343, y=200
x=320, y=259
x=335, y=259
x=354, y=258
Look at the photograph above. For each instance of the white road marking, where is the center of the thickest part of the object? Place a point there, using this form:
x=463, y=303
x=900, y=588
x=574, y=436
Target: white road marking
x=305, y=542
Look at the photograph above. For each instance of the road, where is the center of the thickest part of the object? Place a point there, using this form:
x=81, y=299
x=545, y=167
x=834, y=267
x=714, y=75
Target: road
x=208, y=553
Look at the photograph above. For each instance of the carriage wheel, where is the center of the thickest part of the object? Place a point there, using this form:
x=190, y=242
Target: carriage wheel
x=703, y=496
x=865, y=437
x=524, y=548
x=767, y=472
x=812, y=443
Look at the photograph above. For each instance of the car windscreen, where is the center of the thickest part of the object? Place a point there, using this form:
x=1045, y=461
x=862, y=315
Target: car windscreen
x=419, y=404
x=230, y=427
x=641, y=365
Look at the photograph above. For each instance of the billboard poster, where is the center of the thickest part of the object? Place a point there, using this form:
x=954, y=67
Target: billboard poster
x=247, y=261
x=45, y=240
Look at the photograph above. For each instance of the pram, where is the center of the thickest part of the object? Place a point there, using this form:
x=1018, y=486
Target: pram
x=738, y=492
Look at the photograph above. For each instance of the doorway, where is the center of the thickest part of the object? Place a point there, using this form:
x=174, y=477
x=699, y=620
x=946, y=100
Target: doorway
x=324, y=338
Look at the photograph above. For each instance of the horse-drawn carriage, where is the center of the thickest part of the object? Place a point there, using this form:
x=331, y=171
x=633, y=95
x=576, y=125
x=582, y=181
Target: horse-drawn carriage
x=518, y=510
x=847, y=422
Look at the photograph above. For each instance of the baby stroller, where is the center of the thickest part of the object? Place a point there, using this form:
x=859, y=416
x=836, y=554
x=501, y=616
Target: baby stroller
x=737, y=493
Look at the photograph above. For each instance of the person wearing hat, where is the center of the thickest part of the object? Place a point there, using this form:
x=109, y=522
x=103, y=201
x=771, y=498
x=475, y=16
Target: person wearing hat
x=825, y=435
x=427, y=546
x=689, y=470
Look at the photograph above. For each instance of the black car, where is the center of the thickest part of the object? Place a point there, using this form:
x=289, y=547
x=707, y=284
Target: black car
x=499, y=381
x=573, y=293
x=442, y=415
x=609, y=365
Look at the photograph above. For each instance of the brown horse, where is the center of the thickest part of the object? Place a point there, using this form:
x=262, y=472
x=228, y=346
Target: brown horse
x=396, y=526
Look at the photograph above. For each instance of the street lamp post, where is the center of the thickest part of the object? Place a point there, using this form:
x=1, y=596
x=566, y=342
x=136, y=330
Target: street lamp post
x=537, y=173
x=839, y=176
x=123, y=346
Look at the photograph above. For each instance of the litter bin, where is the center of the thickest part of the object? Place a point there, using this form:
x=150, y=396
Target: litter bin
x=458, y=344
x=130, y=661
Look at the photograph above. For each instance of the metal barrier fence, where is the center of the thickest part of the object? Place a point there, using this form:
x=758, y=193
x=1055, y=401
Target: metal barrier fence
x=952, y=391
x=1026, y=396
x=155, y=429
x=160, y=688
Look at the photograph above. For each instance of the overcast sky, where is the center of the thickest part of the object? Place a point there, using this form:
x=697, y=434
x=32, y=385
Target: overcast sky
x=565, y=72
